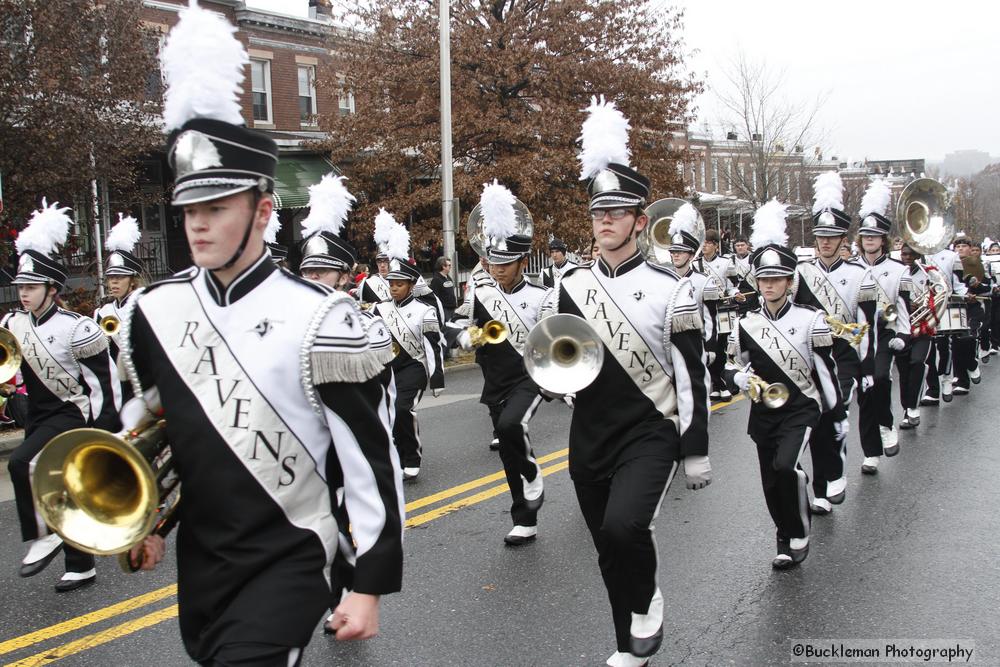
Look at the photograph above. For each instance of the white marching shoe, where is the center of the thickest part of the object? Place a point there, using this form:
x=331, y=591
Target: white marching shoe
x=519, y=535
x=40, y=554
x=946, y=388
x=820, y=506
x=911, y=418
x=890, y=440
x=620, y=659
x=870, y=465
x=410, y=473
x=976, y=376
x=646, y=631
x=534, y=492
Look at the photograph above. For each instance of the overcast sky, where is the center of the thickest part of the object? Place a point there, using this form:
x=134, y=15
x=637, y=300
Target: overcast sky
x=911, y=79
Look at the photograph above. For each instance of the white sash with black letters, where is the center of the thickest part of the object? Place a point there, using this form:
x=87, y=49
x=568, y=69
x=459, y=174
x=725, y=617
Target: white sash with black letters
x=826, y=293
x=268, y=446
x=785, y=355
x=401, y=332
x=622, y=340
x=499, y=307
x=380, y=286
x=46, y=365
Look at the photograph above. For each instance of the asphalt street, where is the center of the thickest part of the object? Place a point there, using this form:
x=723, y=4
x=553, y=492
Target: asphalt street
x=911, y=554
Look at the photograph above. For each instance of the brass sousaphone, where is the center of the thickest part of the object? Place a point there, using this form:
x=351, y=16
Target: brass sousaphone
x=477, y=236
x=654, y=239
x=10, y=354
x=927, y=224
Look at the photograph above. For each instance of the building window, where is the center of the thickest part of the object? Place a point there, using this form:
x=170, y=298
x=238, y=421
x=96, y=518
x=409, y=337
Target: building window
x=260, y=74
x=307, y=95
x=702, y=170
x=345, y=99
x=715, y=175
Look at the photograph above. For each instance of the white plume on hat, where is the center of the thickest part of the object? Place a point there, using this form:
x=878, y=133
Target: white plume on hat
x=124, y=235
x=604, y=138
x=203, y=65
x=828, y=192
x=273, y=227
x=876, y=198
x=499, y=217
x=329, y=206
x=769, y=225
x=398, y=245
x=384, y=223
x=47, y=229
x=685, y=219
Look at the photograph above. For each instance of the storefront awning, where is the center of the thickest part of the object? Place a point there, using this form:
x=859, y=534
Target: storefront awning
x=294, y=175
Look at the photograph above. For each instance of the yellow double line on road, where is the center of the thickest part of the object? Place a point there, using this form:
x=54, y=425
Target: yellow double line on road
x=123, y=629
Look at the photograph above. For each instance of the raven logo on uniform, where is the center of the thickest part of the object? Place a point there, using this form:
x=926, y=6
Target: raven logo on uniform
x=263, y=327
x=843, y=281
x=639, y=296
x=791, y=332
x=349, y=320
x=524, y=305
x=51, y=339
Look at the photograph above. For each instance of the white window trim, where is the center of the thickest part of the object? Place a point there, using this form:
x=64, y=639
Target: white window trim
x=267, y=91
x=340, y=96
x=312, y=91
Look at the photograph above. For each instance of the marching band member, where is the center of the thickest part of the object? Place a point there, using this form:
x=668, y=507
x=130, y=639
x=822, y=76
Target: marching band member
x=622, y=459
x=992, y=257
x=716, y=267
x=416, y=331
x=939, y=377
x=783, y=342
x=911, y=360
x=509, y=393
x=70, y=377
x=892, y=288
x=560, y=265
x=124, y=272
x=268, y=386
x=741, y=275
x=279, y=253
x=375, y=288
x=844, y=290
x=964, y=347
x=683, y=247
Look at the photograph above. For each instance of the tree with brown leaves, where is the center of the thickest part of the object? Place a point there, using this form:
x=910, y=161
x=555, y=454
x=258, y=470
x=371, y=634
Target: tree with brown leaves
x=522, y=72
x=75, y=82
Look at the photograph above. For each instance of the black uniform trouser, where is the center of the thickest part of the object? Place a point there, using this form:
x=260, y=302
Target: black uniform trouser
x=510, y=422
x=966, y=347
x=619, y=512
x=20, y=466
x=719, y=362
x=411, y=381
x=780, y=441
x=252, y=654
x=938, y=363
x=911, y=365
x=829, y=451
x=985, y=330
x=995, y=322
x=875, y=405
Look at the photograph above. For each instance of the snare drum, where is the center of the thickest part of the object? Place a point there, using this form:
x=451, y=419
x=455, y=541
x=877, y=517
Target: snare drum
x=727, y=316
x=956, y=317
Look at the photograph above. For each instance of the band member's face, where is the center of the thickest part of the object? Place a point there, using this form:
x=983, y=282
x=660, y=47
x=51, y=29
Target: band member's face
x=383, y=266
x=709, y=248
x=976, y=251
x=994, y=250
x=329, y=277
x=400, y=289
x=897, y=244
x=907, y=255
x=680, y=259
x=612, y=226
x=485, y=263
x=871, y=244
x=774, y=289
x=962, y=249
x=508, y=274
x=119, y=286
x=595, y=251
x=741, y=248
x=557, y=256
x=827, y=247
x=215, y=228
x=33, y=297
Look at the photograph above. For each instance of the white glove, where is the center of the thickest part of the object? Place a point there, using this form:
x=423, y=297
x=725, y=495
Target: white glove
x=465, y=340
x=698, y=471
x=896, y=344
x=867, y=382
x=569, y=400
x=842, y=428
x=742, y=380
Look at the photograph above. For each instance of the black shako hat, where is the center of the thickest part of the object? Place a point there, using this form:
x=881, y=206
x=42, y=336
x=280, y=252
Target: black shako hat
x=773, y=261
x=874, y=224
x=326, y=250
x=124, y=263
x=617, y=186
x=510, y=249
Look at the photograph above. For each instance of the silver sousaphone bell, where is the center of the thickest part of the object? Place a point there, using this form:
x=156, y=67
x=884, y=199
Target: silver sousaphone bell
x=563, y=354
x=477, y=236
x=654, y=239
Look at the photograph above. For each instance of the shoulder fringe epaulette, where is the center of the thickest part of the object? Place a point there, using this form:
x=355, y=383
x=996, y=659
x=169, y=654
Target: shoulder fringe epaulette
x=430, y=323
x=685, y=318
x=88, y=346
x=550, y=304
x=819, y=332
x=867, y=293
x=321, y=367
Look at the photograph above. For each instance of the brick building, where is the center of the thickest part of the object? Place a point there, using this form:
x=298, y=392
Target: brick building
x=280, y=98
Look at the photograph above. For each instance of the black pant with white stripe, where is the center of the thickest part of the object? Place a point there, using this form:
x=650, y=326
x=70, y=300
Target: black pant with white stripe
x=911, y=364
x=411, y=381
x=619, y=512
x=780, y=444
x=510, y=422
x=938, y=363
x=875, y=405
x=20, y=467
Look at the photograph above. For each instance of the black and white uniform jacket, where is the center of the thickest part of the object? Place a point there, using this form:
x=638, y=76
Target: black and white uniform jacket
x=552, y=274
x=892, y=287
x=269, y=389
x=113, y=309
x=706, y=292
x=794, y=347
x=422, y=292
x=68, y=372
x=845, y=291
x=654, y=378
x=718, y=269
x=742, y=278
x=950, y=265
x=519, y=309
x=415, y=328
x=374, y=289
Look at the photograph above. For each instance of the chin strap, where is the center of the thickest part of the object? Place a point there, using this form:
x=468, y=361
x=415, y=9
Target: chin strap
x=246, y=236
x=628, y=239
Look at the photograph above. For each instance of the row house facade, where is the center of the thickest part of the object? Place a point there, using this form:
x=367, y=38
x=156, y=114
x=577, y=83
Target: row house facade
x=280, y=97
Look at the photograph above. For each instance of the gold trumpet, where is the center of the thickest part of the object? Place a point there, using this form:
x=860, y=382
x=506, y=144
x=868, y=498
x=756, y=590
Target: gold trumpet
x=772, y=395
x=105, y=492
x=849, y=331
x=396, y=349
x=889, y=314
x=110, y=325
x=491, y=333
x=10, y=354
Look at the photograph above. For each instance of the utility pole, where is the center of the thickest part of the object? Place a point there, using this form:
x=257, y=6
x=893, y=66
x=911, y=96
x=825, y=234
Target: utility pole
x=447, y=194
